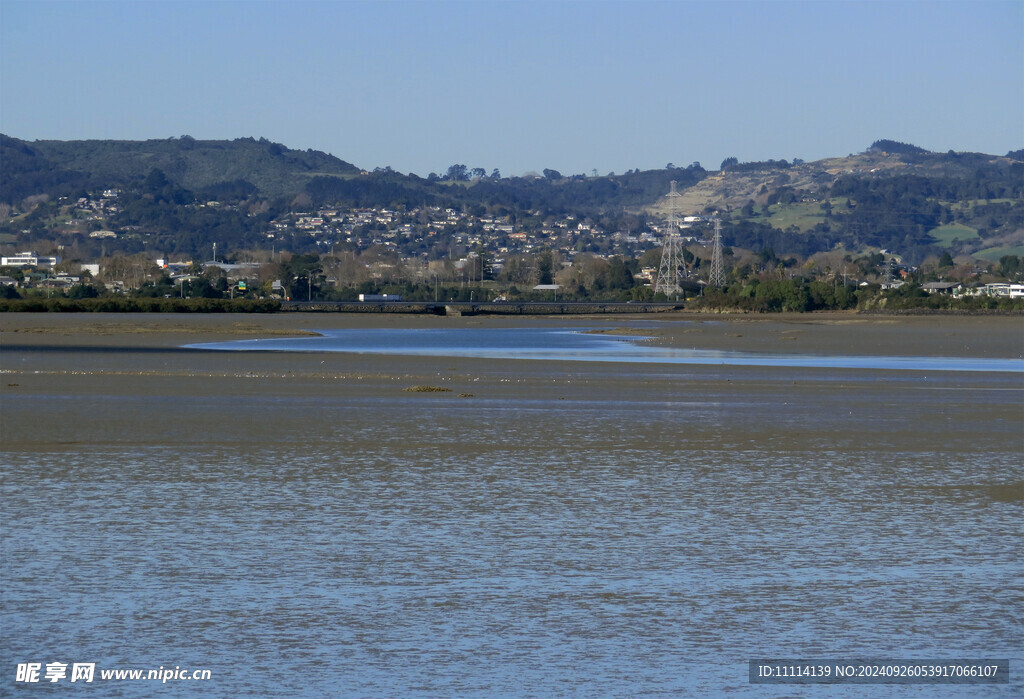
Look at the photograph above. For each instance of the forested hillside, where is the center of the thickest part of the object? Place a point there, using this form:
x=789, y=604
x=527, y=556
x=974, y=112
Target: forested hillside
x=58, y=167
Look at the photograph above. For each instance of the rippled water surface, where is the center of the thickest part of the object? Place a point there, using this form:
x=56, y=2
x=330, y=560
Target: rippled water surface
x=591, y=531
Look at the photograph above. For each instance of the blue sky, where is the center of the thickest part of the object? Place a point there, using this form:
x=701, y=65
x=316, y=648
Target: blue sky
x=521, y=86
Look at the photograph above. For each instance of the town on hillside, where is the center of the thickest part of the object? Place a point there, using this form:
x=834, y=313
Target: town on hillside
x=373, y=251
x=893, y=226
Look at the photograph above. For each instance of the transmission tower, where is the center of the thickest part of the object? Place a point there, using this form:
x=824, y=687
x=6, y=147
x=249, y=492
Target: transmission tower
x=890, y=272
x=717, y=275
x=670, y=272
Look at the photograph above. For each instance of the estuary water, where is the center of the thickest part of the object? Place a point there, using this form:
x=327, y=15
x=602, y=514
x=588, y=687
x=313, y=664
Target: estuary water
x=302, y=525
x=580, y=345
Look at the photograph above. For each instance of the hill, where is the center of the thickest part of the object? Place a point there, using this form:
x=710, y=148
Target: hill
x=891, y=196
x=58, y=167
x=912, y=200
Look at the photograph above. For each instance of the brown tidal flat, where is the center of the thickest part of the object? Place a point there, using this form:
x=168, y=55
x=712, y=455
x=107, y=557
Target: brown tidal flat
x=140, y=355
x=846, y=334
x=135, y=352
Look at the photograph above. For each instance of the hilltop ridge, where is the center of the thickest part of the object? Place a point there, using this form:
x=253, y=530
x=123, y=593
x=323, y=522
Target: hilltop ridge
x=267, y=167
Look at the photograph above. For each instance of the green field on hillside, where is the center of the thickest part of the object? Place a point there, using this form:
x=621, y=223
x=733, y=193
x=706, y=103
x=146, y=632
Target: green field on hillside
x=803, y=215
x=945, y=235
x=993, y=254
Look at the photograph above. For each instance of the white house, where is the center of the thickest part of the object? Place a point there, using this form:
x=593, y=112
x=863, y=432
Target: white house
x=1014, y=291
x=28, y=259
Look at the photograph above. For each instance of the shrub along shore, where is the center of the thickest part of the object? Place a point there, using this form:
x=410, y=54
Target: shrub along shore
x=793, y=296
x=130, y=304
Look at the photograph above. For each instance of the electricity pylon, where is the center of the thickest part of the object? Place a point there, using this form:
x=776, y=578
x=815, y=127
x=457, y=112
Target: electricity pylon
x=716, y=277
x=670, y=272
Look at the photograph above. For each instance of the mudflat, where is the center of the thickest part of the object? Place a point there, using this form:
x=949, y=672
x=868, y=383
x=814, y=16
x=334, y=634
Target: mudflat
x=848, y=334
x=134, y=355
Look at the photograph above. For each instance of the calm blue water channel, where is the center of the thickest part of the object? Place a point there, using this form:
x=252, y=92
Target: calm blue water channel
x=576, y=345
